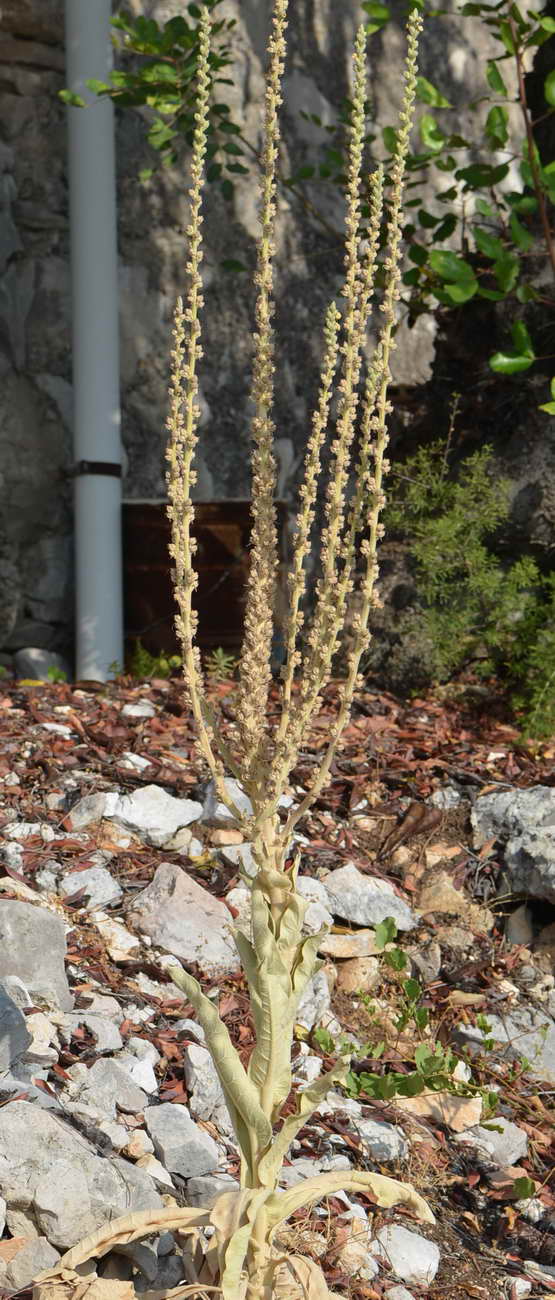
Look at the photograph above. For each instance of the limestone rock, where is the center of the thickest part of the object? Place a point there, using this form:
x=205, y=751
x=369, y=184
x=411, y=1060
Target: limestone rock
x=33, y=947
x=505, y=1148
x=358, y=973
x=383, y=1141
x=36, y=664
x=366, y=900
x=108, y=1084
x=33, y=1258
x=100, y=888
x=206, y=1098
x=524, y=820
x=14, y=1035
x=181, y=1145
x=412, y=1258
x=182, y=917
x=457, y=1113
x=138, y=709
x=62, y=1204
x=149, y=812
x=439, y=895
x=204, y=1189
x=360, y=943
x=32, y=1141
x=217, y=814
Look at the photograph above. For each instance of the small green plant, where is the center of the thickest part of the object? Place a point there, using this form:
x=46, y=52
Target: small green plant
x=473, y=608
x=220, y=665
x=144, y=665
x=55, y=674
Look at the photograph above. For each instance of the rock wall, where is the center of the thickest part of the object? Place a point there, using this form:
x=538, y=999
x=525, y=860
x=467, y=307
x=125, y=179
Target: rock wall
x=35, y=359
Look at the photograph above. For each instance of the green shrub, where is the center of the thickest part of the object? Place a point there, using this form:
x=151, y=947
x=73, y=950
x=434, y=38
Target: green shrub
x=474, y=608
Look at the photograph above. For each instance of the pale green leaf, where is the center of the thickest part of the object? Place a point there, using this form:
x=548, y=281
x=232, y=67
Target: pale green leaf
x=251, y=1125
x=387, y=1192
x=308, y=1100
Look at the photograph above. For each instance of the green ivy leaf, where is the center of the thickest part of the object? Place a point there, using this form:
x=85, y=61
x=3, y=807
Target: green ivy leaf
x=71, y=98
x=428, y=94
x=521, y=236
x=524, y=1188
x=379, y=15
x=427, y=219
x=482, y=176
x=497, y=126
x=504, y=34
x=510, y=363
x=432, y=137
x=488, y=244
x=521, y=339
x=451, y=267
x=396, y=959
x=385, y=932
x=412, y=989
x=549, y=406
x=494, y=78
x=418, y=254
x=507, y=270
x=549, y=87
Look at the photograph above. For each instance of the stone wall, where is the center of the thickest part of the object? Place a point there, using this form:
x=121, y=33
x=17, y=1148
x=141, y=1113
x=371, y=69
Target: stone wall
x=35, y=360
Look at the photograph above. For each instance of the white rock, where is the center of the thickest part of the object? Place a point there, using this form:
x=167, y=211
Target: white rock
x=205, y=1188
x=63, y=1205
x=22, y=831
x=47, y=878
x=100, y=888
x=398, y=1293
x=185, y=919
x=103, y=1029
x=206, y=1098
x=58, y=729
x=121, y=944
x=447, y=798
x=44, y=1045
x=109, y=1085
x=517, y=1288
x=3, y=1208
x=139, y=709
x=315, y=1003
x=239, y=855
x=525, y=821
x=138, y=1144
x=505, y=1148
x=14, y=1033
x=33, y=947
x=365, y=900
x=155, y=1169
x=532, y=1209
x=93, y=808
x=413, y=1258
x=134, y=762
x=33, y=1258
x=32, y=1140
x=153, y=814
x=317, y=914
x=180, y=1144
x=215, y=813
x=140, y=1071
x=383, y=1141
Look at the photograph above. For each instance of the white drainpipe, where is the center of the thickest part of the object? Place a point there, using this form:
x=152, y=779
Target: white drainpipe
x=92, y=189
